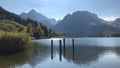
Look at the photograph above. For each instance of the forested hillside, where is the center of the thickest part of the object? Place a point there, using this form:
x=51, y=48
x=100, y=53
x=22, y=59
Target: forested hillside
x=11, y=22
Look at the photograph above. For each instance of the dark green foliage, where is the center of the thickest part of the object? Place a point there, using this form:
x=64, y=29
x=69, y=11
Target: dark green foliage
x=52, y=33
x=45, y=31
x=34, y=23
x=30, y=29
x=37, y=32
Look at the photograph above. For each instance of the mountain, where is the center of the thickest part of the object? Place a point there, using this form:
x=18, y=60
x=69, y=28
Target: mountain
x=83, y=23
x=115, y=23
x=53, y=21
x=38, y=17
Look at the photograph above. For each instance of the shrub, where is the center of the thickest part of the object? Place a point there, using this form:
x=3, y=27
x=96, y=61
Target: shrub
x=13, y=42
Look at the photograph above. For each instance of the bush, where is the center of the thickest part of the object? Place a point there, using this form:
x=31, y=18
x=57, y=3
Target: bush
x=14, y=42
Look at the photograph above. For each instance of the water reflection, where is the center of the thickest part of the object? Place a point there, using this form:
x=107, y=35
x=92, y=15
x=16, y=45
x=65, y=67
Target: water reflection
x=15, y=60
x=33, y=56
x=83, y=54
x=66, y=55
x=40, y=53
x=78, y=54
x=88, y=54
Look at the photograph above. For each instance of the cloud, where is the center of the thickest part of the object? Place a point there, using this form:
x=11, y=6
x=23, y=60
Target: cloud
x=109, y=18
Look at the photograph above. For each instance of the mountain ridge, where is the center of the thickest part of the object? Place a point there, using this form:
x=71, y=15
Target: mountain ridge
x=83, y=23
x=34, y=15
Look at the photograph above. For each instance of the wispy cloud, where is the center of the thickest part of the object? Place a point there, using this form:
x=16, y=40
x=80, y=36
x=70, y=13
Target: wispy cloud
x=109, y=18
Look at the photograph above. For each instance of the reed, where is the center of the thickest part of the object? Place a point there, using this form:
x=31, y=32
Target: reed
x=14, y=42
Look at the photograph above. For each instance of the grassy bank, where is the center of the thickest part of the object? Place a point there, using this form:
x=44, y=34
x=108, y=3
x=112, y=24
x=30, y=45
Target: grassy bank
x=14, y=42
x=8, y=25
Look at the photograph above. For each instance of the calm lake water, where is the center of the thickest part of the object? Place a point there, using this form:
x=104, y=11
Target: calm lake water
x=86, y=53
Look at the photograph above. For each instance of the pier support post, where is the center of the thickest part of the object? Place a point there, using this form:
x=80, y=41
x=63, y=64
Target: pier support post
x=64, y=46
x=73, y=49
x=52, y=49
x=60, y=49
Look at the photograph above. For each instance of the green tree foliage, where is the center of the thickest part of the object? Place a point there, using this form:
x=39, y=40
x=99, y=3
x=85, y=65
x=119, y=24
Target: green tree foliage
x=52, y=33
x=30, y=29
x=21, y=29
x=45, y=31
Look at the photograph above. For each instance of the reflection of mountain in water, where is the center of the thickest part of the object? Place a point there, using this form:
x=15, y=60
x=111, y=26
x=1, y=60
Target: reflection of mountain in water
x=83, y=54
x=38, y=54
x=87, y=54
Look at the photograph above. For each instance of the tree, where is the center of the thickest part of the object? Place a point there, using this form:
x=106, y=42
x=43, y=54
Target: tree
x=45, y=31
x=21, y=29
x=30, y=29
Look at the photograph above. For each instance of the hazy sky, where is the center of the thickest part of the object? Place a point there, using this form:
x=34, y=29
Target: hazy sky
x=107, y=9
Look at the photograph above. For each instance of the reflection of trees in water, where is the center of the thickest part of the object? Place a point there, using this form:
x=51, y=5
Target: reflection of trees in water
x=83, y=54
x=33, y=57
x=15, y=60
x=40, y=53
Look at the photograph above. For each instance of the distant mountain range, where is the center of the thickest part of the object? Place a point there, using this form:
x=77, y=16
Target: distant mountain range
x=79, y=23
x=39, y=18
x=83, y=23
x=115, y=23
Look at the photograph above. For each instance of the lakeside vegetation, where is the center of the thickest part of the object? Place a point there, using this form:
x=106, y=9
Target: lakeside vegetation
x=9, y=25
x=15, y=37
x=16, y=34
x=14, y=42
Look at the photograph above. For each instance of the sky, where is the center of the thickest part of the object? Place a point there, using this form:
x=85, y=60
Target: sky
x=106, y=9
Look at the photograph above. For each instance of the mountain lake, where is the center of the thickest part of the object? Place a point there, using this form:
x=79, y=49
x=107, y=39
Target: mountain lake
x=100, y=52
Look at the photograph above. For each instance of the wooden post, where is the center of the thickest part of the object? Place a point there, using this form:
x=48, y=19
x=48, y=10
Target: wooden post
x=52, y=49
x=64, y=41
x=73, y=47
x=64, y=46
x=60, y=50
x=73, y=42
